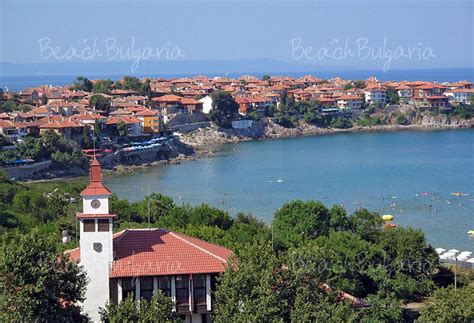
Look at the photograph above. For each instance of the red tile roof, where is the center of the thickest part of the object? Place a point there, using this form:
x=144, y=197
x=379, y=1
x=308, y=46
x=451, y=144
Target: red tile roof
x=167, y=98
x=155, y=252
x=95, y=186
x=349, y=97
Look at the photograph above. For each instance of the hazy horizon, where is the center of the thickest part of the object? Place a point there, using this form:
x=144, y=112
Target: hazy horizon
x=364, y=34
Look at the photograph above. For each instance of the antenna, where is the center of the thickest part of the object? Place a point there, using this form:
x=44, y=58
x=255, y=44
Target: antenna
x=93, y=145
x=148, y=204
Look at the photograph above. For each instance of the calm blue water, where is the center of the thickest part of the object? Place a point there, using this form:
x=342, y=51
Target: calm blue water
x=17, y=83
x=384, y=172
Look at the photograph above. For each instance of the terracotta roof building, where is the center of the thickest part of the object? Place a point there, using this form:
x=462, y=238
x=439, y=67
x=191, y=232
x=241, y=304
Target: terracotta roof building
x=142, y=261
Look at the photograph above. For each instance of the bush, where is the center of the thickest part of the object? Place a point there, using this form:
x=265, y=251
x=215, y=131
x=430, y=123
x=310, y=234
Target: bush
x=463, y=111
x=449, y=305
x=341, y=123
x=254, y=115
x=283, y=120
x=402, y=120
x=369, y=122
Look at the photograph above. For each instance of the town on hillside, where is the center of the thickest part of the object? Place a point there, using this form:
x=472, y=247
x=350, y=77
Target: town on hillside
x=132, y=117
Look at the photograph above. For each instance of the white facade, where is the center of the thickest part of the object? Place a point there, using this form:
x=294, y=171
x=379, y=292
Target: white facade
x=375, y=96
x=459, y=96
x=206, y=104
x=101, y=208
x=96, y=256
x=405, y=93
x=349, y=103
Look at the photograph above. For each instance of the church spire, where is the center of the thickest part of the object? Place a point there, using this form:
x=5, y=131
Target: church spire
x=95, y=187
x=95, y=171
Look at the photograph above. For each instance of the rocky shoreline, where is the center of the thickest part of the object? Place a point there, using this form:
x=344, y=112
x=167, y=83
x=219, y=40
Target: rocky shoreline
x=268, y=129
x=202, y=142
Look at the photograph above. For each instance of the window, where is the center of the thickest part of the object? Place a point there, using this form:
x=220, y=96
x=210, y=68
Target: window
x=164, y=283
x=89, y=225
x=199, y=285
x=103, y=225
x=182, y=293
x=113, y=291
x=128, y=287
x=146, y=287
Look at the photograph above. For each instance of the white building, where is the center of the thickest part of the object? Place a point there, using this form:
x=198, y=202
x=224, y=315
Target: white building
x=142, y=261
x=375, y=94
x=349, y=102
x=206, y=104
x=460, y=95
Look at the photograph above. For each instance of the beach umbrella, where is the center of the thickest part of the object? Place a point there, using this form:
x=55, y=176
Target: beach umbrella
x=462, y=257
x=440, y=250
x=446, y=256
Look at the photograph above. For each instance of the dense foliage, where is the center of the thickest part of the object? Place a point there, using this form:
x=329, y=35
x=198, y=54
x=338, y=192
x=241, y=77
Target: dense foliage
x=224, y=108
x=449, y=305
x=37, y=282
x=294, y=270
x=63, y=153
x=158, y=309
x=100, y=102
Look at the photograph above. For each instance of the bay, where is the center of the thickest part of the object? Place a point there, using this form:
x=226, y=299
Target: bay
x=409, y=174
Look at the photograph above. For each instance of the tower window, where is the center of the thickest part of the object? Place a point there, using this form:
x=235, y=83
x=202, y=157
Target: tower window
x=89, y=225
x=103, y=225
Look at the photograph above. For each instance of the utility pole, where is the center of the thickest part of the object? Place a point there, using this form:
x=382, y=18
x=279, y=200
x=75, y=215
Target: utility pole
x=455, y=271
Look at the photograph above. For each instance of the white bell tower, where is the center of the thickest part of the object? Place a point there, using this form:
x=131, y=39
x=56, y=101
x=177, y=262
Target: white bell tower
x=96, y=242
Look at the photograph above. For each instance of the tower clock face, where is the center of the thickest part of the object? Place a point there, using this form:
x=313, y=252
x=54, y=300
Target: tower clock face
x=95, y=204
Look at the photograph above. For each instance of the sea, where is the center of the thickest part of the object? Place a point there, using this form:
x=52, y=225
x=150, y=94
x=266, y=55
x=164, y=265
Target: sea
x=17, y=83
x=425, y=179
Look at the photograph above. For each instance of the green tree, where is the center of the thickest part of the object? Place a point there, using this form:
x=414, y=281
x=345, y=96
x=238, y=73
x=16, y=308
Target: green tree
x=402, y=120
x=449, y=305
x=341, y=123
x=8, y=106
x=313, y=304
x=359, y=84
x=158, y=309
x=254, y=115
x=367, y=225
x=392, y=95
x=355, y=256
x=282, y=104
x=383, y=308
x=122, y=129
x=224, y=108
x=266, y=77
x=4, y=141
x=86, y=139
x=100, y=102
x=102, y=86
x=131, y=83
x=283, y=120
x=248, y=289
x=82, y=84
x=297, y=221
x=145, y=88
x=39, y=283
x=44, y=99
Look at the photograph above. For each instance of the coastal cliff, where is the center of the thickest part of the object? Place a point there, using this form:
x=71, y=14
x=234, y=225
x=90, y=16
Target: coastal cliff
x=269, y=129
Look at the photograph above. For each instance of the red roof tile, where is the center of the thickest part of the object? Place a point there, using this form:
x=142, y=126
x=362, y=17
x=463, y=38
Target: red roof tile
x=95, y=186
x=155, y=252
x=147, y=252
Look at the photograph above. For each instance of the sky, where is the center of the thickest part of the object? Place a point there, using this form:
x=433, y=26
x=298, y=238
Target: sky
x=362, y=34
